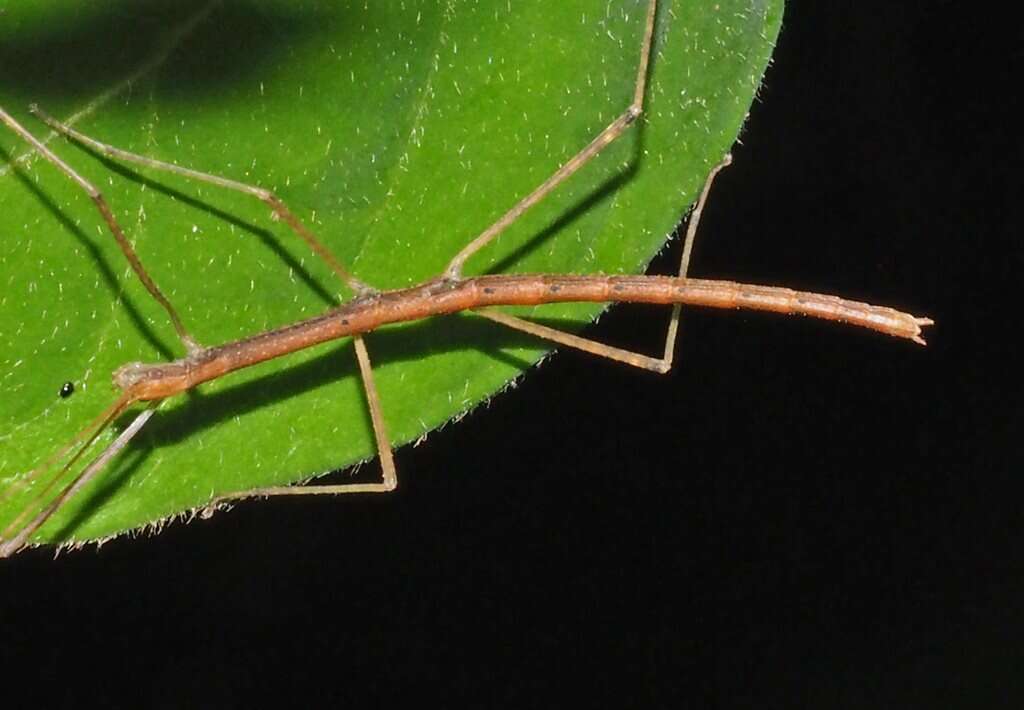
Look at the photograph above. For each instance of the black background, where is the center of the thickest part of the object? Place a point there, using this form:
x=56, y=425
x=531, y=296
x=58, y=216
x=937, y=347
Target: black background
x=799, y=515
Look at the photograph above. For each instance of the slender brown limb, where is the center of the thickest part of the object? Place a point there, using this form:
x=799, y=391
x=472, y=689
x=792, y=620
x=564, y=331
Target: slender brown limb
x=387, y=462
x=660, y=365
x=628, y=357
x=684, y=262
x=615, y=129
x=191, y=345
x=380, y=431
x=275, y=203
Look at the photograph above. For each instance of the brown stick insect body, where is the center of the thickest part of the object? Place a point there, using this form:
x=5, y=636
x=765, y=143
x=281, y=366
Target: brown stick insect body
x=371, y=309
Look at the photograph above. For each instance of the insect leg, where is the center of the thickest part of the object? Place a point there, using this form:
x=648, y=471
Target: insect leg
x=191, y=345
x=615, y=129
x=275, y=203
x=389, y=479
x=684, y=261
x=646, y=362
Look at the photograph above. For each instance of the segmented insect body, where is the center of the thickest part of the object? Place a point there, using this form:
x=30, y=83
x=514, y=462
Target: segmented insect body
x=448, y=292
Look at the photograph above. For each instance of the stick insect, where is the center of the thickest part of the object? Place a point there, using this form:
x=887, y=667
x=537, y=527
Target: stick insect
x=370, y=308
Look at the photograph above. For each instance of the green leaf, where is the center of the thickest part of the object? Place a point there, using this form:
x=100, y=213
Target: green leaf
x=398, y=131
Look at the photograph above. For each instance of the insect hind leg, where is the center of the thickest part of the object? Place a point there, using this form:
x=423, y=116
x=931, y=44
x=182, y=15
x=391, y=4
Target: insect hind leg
x=661, y=364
